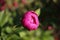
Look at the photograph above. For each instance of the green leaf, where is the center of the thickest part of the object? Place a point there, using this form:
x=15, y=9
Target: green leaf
x=48, y=33
x=1, y=16
x=8, y=29
x=37, y=11
x=22, y=34
x=13, y=37
x=48, y=38
x=11, y=21
x=5, y=18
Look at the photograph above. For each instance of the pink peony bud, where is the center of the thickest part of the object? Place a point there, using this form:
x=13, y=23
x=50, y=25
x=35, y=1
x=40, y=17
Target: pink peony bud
x=50, y=27
x=30, y=20
x=15, y=4
x=2, y=1
x=24, y=1
x=2, y=5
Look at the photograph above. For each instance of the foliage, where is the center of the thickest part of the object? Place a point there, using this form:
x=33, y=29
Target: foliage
x=10, y=20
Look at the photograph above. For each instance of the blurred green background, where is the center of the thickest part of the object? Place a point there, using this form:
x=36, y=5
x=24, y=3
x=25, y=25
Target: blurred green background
x=10, y=20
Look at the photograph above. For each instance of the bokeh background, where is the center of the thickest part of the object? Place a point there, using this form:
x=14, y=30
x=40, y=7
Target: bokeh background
x=11, y=13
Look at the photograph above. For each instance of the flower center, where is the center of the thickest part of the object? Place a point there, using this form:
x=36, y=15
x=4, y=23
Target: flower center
x=33, y=20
